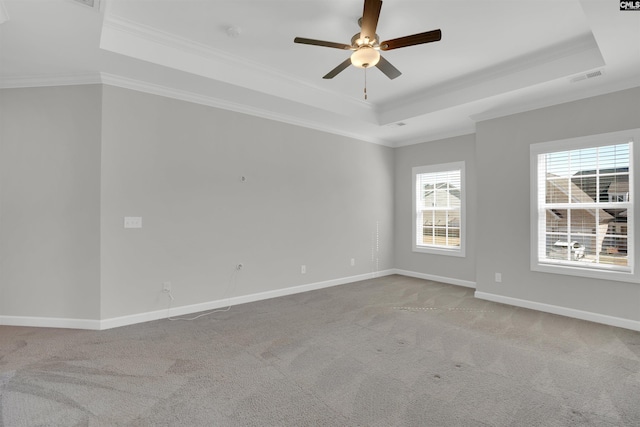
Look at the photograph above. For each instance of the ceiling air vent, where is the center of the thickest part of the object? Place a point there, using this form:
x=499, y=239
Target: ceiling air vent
x=589, y=75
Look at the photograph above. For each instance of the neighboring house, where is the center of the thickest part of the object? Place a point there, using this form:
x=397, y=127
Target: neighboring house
x=442, y=210
x=614, y=188
x=586, y=180
x=618, y=192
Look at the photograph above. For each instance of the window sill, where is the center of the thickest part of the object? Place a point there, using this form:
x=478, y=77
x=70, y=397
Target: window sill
x=618, y=276
x=439, y=251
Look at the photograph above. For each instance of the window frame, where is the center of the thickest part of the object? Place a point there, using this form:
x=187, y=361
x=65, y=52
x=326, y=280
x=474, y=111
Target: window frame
x=538, y=224
x=436, y=249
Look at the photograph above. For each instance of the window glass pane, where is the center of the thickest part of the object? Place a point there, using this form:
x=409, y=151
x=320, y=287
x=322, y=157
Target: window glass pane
x=584, y=187
x=556, y=246
x=585, y=159
x=557, y=189
x=427, y=236
x=614, y=157
x=585, y=220
x=591, y=171
x=614, y=251
x=558, y=164
x=617, y=229
x=556, y=218
x=439, y=204
x=617, y=188
x=594, y=232
x=579, y=231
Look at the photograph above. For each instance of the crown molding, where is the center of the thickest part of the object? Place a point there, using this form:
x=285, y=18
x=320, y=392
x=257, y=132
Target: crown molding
x=50, y=80
x=168, y=92
x=461, y=131
x=557, y=100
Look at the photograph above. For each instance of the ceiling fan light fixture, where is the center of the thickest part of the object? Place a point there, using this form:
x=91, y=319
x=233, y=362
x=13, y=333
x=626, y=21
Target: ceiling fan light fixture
x=365, y=57
x=366, y=44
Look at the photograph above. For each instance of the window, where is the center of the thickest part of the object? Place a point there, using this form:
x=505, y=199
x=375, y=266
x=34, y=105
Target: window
x=582, y=206
x=439, y=209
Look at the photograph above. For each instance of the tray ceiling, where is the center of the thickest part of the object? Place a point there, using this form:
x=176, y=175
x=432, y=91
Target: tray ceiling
x=496, y=57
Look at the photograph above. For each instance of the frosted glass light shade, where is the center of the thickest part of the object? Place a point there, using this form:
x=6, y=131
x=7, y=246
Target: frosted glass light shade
x=365, y=57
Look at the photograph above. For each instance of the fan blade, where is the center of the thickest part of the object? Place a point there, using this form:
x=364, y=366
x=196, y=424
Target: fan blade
x=388, y=69
x=313, y=42
x=331, y=74
x=428, y=37
x=370, y=16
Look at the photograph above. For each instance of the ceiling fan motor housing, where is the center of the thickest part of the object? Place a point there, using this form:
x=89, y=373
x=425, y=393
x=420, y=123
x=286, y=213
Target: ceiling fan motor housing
x=356, y=38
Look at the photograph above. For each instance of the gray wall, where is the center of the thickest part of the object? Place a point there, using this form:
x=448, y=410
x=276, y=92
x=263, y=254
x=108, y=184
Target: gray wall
x=50, y=202
x=460, y=148
x=503, y=209
x=310, y=198
x=75, y=160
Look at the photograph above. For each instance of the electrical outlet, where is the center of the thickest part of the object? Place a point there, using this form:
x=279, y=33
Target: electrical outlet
x=303, y=269
x=498, y=277
x=166, y=287
x=353, y=262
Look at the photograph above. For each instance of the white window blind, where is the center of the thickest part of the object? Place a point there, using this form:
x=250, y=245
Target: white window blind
x=584, y=207
x=439, y=209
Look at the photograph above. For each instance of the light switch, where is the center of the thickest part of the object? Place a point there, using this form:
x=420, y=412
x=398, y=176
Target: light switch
x=132, y=222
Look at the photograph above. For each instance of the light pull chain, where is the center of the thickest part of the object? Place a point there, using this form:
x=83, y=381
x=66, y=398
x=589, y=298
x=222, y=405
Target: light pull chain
x=365, y=84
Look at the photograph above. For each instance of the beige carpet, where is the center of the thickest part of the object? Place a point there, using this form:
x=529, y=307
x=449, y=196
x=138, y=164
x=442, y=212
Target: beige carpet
x=393, y=351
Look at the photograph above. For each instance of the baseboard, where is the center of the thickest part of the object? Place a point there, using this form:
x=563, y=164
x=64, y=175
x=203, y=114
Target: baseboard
x=243, y=299
x=53, y=322
x=56, y=322
x=562, y=311
x=449, y=280
x=49, y=322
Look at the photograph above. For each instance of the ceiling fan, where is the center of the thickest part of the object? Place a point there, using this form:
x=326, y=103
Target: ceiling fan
x=366, y=44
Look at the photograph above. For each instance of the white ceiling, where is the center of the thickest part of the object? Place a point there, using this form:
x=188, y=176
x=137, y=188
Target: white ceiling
x=496, y=57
